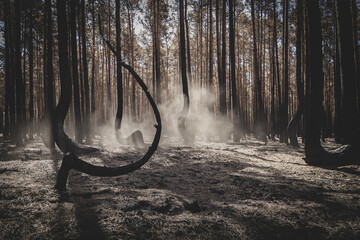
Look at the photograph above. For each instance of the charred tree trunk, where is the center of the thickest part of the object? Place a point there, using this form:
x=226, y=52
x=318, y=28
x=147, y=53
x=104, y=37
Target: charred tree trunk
x=299, y=83
x=18, y=77
x=222, y=83
x=273, y=78
x=93, y=65
x=260, y=117
x=235, y=109
x=9, y=90
x=119, y=113
x=315, y=154
x=75, y=76
x=285, y=103
x=48, y=79
x=277, y=63
x=157, y=51
x=188, y=138
x=218, y=54
x=31, y=73
x=348, y=72
x=62, y=140
x=354, y=14
x=86, y=75
x=188, y=45
x=210, y=87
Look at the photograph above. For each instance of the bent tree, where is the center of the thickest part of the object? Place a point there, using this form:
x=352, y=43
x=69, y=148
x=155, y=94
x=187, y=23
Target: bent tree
x=71, y=161
x=61, y=138
x=315, y=154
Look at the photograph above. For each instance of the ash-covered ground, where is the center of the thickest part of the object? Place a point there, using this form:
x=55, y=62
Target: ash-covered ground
x=207, y=191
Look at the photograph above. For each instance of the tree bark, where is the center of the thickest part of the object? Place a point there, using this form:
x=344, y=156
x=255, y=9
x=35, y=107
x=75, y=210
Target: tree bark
x=277, y=63
x=285, y=103
x=62, y=140
x=86, y=75
x=75, y=76
x=235, y=109
x=210, y=86
x=348, y=72
x=31, y=72
x=188, y=45
x=119, y=113
x=222, y=83
x=18, y=77
x=315, y=154
x=93, y=65
x=260, y=117
x=299, y=83
x=9, y=92
x=188, y=138
x=48, y=79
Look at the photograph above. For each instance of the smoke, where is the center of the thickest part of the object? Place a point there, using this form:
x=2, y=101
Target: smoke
x=203, y=124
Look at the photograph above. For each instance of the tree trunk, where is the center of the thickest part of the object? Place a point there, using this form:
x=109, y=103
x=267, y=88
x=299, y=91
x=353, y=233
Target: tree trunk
x=48, y=79
x=157, y=52
x=354, y=14
x=210, y=86
x=119, y=113
x=222, y=82
x=31, y=73
x=9, y=91
x=188, y=44
x=18, y=77
x=273, y=77
x=348, y=72
x=285, y=103
x=235, y=109
x=260, y=117
x=315, y=154
x=75, y=76
x=188, y=138
x=277, y=64
x=86, y=75
x=218, y=54
x=62, y=140
x=299, y=83
x=93, y=66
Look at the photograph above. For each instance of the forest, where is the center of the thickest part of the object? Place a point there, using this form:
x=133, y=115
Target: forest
x=188, y=119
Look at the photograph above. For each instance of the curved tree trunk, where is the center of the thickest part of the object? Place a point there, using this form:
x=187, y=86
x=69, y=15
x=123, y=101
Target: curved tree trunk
x=61, y=138
x=71, y=161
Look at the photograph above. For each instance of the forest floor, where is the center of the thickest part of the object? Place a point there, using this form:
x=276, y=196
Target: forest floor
x=207, y=191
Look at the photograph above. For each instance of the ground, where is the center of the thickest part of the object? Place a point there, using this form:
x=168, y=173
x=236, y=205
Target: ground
x=207, y=191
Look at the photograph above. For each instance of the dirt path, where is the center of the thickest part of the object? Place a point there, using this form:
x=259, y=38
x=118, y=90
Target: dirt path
x=208, y=191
